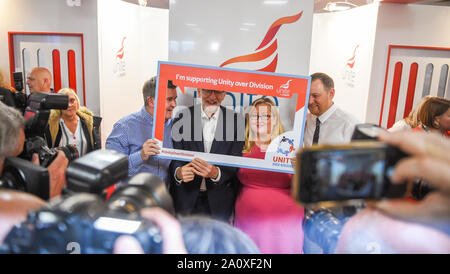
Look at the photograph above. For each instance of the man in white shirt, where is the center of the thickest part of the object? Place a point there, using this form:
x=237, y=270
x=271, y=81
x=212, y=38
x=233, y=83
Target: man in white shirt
x=326, y=123
x=199, y=187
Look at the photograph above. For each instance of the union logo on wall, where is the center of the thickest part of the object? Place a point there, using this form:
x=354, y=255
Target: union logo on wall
x=349, y=74
x=119, y=65
x=269, y=38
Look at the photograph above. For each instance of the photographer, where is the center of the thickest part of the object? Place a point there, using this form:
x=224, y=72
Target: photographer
x=12, y=139
x=414, y=227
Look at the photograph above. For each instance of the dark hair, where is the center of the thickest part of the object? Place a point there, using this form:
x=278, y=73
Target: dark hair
x=171, y=85
x=149, y=88
x=326, y=80
x=431, y=109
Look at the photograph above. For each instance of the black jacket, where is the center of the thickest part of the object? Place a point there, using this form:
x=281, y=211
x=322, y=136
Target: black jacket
x=221, y=195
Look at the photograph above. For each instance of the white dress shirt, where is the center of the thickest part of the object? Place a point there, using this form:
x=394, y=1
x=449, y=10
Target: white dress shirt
x=336, y=127
x=209, y=125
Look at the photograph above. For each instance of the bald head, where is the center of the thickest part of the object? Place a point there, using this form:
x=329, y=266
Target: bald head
x=39, y=80
x=14, y=207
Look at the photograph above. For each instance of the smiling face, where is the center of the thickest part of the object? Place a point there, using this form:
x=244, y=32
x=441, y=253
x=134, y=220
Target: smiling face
x=261, y=121
x=73, y=107
x=211, y=99
x=320, y=99
x=171, y=102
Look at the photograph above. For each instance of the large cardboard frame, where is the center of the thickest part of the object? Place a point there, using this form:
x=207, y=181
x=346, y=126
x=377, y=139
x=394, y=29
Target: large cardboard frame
x=280, y=151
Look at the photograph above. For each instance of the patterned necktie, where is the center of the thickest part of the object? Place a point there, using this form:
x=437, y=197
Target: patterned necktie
x=316, y=132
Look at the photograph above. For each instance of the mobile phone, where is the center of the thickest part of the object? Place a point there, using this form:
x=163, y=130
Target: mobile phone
x=332, y=175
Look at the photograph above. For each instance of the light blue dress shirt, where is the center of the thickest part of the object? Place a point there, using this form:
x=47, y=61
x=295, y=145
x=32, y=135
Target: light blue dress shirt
x=128, y=136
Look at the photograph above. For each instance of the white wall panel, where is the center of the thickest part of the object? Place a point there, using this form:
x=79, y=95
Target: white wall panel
x=143, y=33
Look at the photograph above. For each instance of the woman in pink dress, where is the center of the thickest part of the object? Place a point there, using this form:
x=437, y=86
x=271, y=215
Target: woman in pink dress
x=264, y=209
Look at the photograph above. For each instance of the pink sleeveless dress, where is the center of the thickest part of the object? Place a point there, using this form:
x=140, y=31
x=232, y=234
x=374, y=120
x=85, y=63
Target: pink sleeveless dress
x=266, y=212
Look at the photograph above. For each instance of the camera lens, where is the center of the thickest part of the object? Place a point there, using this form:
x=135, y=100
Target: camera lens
x=70, y=151
x=143, y=190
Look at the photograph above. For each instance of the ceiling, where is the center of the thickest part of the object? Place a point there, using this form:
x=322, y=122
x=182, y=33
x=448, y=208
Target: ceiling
x=318, y=4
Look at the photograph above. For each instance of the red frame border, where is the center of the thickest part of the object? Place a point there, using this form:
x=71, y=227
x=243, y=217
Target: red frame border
x=387, y=69
x=12, y=61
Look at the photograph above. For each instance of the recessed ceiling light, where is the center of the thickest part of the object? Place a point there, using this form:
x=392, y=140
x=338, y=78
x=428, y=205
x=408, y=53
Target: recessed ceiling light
x=339, y=6
x=142, y=3
x=275, y=2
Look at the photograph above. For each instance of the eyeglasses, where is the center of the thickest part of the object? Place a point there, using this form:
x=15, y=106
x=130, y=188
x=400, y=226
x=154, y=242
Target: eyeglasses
x=263, y=117
x=210, y=91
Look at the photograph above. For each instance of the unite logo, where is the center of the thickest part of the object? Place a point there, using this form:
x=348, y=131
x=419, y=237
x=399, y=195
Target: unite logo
x=284, y=91
x=264, y=54
x=349, y=75
x=351, y=62
x=119, y=66
x=285, y=147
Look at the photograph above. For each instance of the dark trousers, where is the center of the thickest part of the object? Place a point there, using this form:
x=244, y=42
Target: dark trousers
x=202, y=205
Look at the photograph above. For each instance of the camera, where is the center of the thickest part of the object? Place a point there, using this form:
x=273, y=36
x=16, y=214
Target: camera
x=335, y=175
x=323, y=227
x=18, y=81
x=92, y=173
x=46, y=155
x=90, y=223
x=25, y=176
x=37, y=114
x=16, y=99
x=38, y=111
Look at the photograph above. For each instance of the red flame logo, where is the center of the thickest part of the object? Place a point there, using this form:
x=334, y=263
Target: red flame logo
x=351, y=61
x=266, y=53
x=121, y=52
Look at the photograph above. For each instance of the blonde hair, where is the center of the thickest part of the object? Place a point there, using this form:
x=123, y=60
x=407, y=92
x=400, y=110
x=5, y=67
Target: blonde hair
x=68, y=91
x=4, y=84
x=277, y=127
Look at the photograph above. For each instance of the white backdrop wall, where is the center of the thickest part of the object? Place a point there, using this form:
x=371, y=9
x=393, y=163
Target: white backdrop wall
x=210, y=32
x=342, y=47
x=408, y=25
x=132, y=39
x=57, y=17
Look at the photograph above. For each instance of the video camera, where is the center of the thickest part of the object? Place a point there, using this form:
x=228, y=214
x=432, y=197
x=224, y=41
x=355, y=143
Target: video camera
x=92, y=173
x=336, y=175
x=92, y=225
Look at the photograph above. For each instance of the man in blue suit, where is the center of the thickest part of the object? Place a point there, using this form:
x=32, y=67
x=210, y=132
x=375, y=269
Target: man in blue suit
x=199, y=187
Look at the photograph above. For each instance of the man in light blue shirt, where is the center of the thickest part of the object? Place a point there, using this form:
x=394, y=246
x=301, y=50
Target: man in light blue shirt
x=131, y=135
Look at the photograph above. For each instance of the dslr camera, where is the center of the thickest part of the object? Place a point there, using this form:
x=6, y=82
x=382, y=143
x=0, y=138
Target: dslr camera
x=84, y=223
x=37, y=114
x=92, y=173
x=338, y=175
